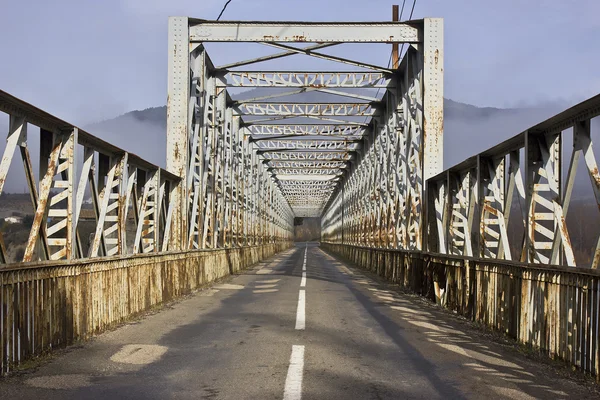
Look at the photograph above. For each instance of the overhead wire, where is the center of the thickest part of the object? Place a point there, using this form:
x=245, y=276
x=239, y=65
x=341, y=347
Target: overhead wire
x=223, y=10
x=391, y=54
x=409, y=18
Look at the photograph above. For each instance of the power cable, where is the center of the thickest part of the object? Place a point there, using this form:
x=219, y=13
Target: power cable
x=390, y=60
x=225, y=6
x=402, y=10
x=409, y=18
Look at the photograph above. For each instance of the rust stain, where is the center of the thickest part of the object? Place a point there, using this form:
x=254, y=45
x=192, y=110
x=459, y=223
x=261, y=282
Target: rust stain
x=71, y=288
x=45, y=186
x=168, y=105
x=596, y=176
x=487, y=207
x=596, y=259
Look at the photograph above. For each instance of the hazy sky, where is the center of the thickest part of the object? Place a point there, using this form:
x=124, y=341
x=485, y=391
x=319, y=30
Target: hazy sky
x=87, y=60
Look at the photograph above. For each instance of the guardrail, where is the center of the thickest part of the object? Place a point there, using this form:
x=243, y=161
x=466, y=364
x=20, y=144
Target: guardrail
x=53, y=304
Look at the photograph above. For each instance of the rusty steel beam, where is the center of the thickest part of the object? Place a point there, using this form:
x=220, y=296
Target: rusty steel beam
x=300, y=32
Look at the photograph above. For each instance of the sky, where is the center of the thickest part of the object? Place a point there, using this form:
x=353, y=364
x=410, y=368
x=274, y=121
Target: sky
x=86, y=61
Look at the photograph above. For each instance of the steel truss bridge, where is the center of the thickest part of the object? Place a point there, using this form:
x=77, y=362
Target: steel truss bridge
x=240, y=170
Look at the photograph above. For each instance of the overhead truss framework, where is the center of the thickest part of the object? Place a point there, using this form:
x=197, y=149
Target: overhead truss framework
x=309, y=79
x=294, y=158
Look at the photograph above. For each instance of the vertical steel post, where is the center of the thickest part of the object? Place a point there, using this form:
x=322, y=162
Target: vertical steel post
x=433, y=101
x=395, y=55
x=177, y=123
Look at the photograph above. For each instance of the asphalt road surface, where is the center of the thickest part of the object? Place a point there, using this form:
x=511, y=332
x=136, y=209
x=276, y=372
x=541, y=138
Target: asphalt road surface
x=301, y=325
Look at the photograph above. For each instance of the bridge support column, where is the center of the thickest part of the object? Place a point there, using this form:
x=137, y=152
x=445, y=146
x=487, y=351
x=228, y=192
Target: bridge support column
x=433, y=108
x=177, y=123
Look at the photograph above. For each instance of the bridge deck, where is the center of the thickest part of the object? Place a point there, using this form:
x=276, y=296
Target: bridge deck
x=362, y=340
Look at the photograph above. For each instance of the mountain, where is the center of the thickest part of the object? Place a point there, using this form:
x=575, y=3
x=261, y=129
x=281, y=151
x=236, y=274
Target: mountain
x=142, y=132
x=454, y=109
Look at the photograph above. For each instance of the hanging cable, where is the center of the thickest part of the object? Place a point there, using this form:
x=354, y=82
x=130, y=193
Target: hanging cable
x=390, y=60
x=412, y=10
x=409, y=18
x=402, y=10
x=229, y=1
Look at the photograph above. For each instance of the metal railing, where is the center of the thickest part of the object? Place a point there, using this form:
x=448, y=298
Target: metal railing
x=79, y=173
x=511, y=267
x=472, y=210
x=100, y=246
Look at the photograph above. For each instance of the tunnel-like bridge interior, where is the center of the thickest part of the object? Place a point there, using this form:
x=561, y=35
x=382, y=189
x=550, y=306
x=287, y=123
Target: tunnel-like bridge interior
x=303, y=138
x=306, y=120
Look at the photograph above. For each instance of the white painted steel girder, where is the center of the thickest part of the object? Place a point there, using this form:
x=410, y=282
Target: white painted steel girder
x=299, y=129
x=308, y=109
x=306, y=171
x=300, y=200
x=307, y=164
x=304, y=177
x=301, y=156
x=379, y=203
x=321, y=32
x=305, y=184
x=307, y=145
x=308, y=79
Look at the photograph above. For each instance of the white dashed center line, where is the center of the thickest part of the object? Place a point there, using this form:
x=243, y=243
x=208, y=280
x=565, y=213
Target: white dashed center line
x=304, y=263
x=300, y=316
x=303, y=281
x=293, y=381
